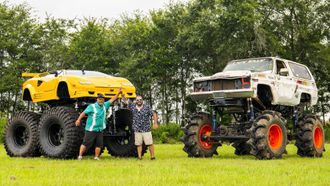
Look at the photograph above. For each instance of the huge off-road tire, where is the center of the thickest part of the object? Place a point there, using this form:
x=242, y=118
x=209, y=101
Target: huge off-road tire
x=195, y=142
x=241, y=148
x=59, y=137
x=310, y=137
x=268, y=136
x=123, y=146
x=21, y=135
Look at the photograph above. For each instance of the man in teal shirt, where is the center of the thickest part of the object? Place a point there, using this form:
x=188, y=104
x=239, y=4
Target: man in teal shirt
x=95, y=124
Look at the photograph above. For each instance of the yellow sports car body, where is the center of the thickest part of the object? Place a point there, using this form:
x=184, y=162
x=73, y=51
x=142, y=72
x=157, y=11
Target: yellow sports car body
x=73, y=84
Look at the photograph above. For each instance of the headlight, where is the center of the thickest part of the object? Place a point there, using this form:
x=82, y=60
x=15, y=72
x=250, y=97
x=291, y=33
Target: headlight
x=202, y=86
x=85, y=82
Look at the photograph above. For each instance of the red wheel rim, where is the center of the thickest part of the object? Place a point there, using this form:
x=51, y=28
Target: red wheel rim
x=318, y=137
x=205, y=131
x=275, y=136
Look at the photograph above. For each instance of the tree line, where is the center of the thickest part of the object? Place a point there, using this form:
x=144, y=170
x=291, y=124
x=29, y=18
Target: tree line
x=160, y=53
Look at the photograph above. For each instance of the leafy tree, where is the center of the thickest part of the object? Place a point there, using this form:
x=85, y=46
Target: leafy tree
x=130, y=40
x=90, y=49
x=302, y=29
x=55, y=36
x=17, y=40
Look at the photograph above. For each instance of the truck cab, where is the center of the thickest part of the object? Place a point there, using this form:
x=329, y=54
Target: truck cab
x=269, y=79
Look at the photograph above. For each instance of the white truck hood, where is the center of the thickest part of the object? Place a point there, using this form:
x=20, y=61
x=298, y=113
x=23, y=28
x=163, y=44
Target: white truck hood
x=231, y=74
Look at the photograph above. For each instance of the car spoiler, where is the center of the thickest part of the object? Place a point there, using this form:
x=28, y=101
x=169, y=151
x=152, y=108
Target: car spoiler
x=34, y=74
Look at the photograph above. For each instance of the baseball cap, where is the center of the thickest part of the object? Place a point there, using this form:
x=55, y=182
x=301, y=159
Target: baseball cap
x=100, y=95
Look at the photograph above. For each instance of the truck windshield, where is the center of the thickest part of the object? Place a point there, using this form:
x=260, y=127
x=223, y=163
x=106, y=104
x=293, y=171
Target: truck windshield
x=253, y=65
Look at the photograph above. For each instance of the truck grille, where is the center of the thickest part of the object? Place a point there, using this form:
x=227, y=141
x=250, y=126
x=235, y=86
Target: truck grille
x=222, y=84
x=227, y=84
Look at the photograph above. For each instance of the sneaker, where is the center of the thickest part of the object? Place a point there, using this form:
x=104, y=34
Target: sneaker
x=96, y=158
x=79, y=157
x=153, y=158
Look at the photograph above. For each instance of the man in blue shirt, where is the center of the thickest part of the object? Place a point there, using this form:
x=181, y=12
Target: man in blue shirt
x=95, y=124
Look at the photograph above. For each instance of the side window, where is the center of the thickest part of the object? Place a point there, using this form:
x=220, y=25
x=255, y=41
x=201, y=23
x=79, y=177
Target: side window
x=49, y=76
x=279, y=66
x=300, y=71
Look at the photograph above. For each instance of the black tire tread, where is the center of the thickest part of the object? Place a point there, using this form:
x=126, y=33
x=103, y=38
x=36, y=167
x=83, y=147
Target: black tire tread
x=304, y=137
x=258, y=136
x=241, y=148
x=68, y=116
x=131, y=152
x=190, y=138
x=129, y=149
x=32, y=120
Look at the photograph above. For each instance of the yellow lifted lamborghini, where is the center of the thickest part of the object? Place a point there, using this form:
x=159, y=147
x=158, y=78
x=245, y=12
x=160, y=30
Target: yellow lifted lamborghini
x=51, y=132
x=73, y=84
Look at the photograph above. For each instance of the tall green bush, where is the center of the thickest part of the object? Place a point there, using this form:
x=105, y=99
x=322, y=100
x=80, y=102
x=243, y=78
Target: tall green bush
x=167, y=133
x=327, y=133
x=3, y=122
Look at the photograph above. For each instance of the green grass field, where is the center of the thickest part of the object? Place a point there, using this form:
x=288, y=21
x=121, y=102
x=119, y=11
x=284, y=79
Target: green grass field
x=172, y=167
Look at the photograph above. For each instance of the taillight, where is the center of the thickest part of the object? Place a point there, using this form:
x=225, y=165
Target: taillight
x=302, y=82
x=246, y=82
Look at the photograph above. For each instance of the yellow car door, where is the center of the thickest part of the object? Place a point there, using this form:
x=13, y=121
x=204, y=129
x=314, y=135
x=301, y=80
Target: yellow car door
x=46, y=87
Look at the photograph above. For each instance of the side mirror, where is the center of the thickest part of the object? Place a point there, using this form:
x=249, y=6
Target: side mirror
x=284, y=72
x=55, y=73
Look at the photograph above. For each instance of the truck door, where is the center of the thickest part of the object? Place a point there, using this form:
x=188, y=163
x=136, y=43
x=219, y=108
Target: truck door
x=284, y=84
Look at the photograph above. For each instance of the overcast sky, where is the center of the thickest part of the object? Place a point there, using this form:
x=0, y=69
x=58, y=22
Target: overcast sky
x=70, y=9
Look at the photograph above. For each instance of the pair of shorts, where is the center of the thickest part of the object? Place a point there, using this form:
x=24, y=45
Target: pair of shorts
x=141, y=137
x=92, y=138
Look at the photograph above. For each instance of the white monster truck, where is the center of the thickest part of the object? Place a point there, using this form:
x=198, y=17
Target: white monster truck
x=258, y=104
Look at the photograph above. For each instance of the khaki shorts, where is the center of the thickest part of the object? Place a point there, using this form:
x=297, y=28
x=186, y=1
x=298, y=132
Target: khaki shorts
x=141, y=137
